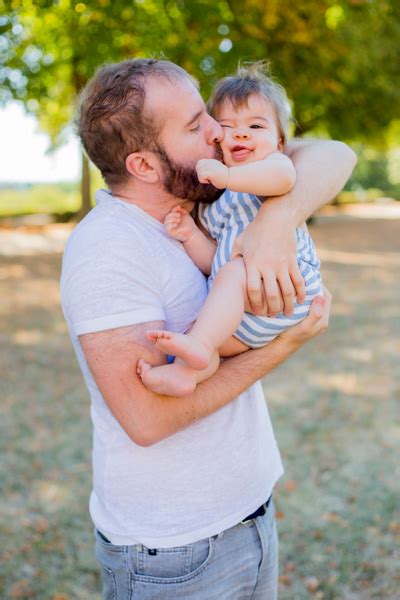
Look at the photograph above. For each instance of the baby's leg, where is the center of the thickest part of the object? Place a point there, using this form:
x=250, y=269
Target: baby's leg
x=193, y=353
x=224, y=306
x=232, y=347
x=217, y=321
x=176, y=379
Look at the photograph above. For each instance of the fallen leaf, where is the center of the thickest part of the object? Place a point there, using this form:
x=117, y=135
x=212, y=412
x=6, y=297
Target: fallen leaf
x=312, y=584
x=285, y=580
x=290, y=485
x=21, y=589
x=289, y=567
x=394, y=526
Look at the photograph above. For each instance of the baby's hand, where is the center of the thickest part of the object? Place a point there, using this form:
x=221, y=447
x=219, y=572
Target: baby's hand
x=212, y=171
x=179, y=224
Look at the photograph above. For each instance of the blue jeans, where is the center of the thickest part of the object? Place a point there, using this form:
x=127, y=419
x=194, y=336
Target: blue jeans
x=238, y=564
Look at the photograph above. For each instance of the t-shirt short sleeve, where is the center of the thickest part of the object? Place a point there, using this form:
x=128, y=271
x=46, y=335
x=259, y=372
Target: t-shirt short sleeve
x=109, y=281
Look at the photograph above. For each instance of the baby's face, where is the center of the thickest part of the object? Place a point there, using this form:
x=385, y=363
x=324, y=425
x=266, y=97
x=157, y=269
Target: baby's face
x=250, y=132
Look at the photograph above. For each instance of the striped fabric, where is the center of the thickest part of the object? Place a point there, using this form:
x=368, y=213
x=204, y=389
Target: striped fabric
x=225, y=220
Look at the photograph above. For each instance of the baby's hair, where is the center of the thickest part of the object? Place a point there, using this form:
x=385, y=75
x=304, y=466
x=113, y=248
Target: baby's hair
x=249, y=79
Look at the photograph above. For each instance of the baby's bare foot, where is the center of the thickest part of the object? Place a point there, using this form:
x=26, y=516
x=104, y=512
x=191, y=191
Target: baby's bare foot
x=193, y=352
x=170, y=380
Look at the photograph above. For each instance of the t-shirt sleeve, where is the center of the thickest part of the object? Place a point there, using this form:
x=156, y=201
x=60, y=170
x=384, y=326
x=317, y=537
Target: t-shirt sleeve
x=109, y=283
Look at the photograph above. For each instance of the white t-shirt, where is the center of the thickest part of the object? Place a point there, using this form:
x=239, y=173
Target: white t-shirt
x=120, y=268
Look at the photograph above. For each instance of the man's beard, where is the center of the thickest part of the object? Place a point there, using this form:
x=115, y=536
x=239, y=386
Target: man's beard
x=182, y=182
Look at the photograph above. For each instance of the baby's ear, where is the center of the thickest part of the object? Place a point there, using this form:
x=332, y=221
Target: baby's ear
x=280, y=145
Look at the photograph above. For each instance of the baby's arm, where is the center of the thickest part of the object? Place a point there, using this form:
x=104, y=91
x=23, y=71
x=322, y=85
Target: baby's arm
x=180, y=226
x=273, y=176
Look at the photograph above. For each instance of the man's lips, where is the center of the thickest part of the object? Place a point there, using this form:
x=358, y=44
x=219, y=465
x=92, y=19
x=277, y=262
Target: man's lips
x=240, y=153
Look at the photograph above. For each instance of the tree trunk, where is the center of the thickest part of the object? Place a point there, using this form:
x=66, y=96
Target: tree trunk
x=85, y=187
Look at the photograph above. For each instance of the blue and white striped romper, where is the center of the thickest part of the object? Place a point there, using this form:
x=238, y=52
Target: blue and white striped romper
x=225, y=220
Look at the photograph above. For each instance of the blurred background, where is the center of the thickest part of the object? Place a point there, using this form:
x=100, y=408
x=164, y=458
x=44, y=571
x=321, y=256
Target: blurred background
x=334, y=405
x=338, y=61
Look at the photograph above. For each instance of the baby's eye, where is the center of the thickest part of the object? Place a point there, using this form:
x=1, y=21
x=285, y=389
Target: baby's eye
x=227, y=126
x=256, y=126
x=196, y=128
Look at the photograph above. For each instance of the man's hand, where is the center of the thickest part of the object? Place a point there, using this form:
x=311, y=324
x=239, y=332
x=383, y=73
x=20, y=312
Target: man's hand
x=212, y=171
x=269, y=250
x=314, y=324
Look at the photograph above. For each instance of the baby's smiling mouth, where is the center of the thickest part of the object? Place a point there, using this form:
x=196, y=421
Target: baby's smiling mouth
x=240, y=153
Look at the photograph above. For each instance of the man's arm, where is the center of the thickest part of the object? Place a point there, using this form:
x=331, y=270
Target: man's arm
x=146, y=417
x=268, y=244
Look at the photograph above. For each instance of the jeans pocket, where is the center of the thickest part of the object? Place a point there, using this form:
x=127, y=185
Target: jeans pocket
x=173, y=565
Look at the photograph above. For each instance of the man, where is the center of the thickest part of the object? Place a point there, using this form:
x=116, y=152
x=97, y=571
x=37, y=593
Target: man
x=182, y=486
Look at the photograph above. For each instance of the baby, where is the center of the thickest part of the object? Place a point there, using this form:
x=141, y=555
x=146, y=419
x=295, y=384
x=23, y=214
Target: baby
x=253, y=111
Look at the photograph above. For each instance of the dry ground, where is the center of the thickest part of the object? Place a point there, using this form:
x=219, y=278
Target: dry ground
x=334, y=406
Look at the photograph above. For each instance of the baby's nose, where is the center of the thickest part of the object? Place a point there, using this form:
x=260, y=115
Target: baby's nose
x=241, y=134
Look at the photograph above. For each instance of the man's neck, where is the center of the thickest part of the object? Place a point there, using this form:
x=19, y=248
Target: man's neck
x=154, y=201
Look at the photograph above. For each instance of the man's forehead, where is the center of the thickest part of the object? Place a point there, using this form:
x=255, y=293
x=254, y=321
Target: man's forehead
x=173, y=100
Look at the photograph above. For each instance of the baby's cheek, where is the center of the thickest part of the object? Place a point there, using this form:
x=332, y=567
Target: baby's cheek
x=226, y=157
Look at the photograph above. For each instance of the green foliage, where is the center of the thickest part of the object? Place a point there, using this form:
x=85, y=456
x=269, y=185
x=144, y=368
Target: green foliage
x=337, y=58
x=377, y=174
x=41, y=198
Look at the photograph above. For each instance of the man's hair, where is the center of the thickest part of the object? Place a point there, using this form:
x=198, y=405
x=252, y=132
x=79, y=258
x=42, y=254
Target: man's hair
x=112, y=119
x=249, y=79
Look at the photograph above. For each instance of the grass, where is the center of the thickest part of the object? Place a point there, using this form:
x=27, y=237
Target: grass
x=335, y=412
x=40, y=198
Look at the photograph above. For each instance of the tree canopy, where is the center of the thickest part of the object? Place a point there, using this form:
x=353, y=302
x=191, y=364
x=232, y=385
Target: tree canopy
x=338, y=59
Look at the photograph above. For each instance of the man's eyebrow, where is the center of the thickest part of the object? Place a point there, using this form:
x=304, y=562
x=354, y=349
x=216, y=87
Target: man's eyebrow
x=194, y=118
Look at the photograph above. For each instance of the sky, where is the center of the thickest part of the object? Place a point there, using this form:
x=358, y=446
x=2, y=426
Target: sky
x=23, y=151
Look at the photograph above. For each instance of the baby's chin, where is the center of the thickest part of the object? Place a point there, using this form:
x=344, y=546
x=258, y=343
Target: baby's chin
x=229, y=162
x=227, y=159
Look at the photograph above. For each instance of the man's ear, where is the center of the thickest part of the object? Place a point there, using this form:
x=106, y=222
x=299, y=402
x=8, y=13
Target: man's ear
x=143, y=166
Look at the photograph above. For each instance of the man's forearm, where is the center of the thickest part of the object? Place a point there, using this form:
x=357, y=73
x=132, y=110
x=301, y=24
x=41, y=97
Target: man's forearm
x=322, y=168
x=147, y=418
x=167, y=415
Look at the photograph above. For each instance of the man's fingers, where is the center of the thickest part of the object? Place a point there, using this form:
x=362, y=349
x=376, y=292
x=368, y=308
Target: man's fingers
x=287, y=292
x=319, y=314
x=272, y=294
x=255, y=291
x=298, y=283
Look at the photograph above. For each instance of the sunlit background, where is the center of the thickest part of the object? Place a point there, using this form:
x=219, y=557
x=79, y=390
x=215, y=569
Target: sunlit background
x=334, y=404
x=338, y=60
x=24, y=155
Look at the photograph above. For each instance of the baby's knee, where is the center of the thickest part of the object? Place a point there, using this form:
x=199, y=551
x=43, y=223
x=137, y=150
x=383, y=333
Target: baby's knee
x=234, y=268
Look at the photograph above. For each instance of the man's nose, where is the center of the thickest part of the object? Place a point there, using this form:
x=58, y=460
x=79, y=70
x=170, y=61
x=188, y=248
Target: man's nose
x=216, y=133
